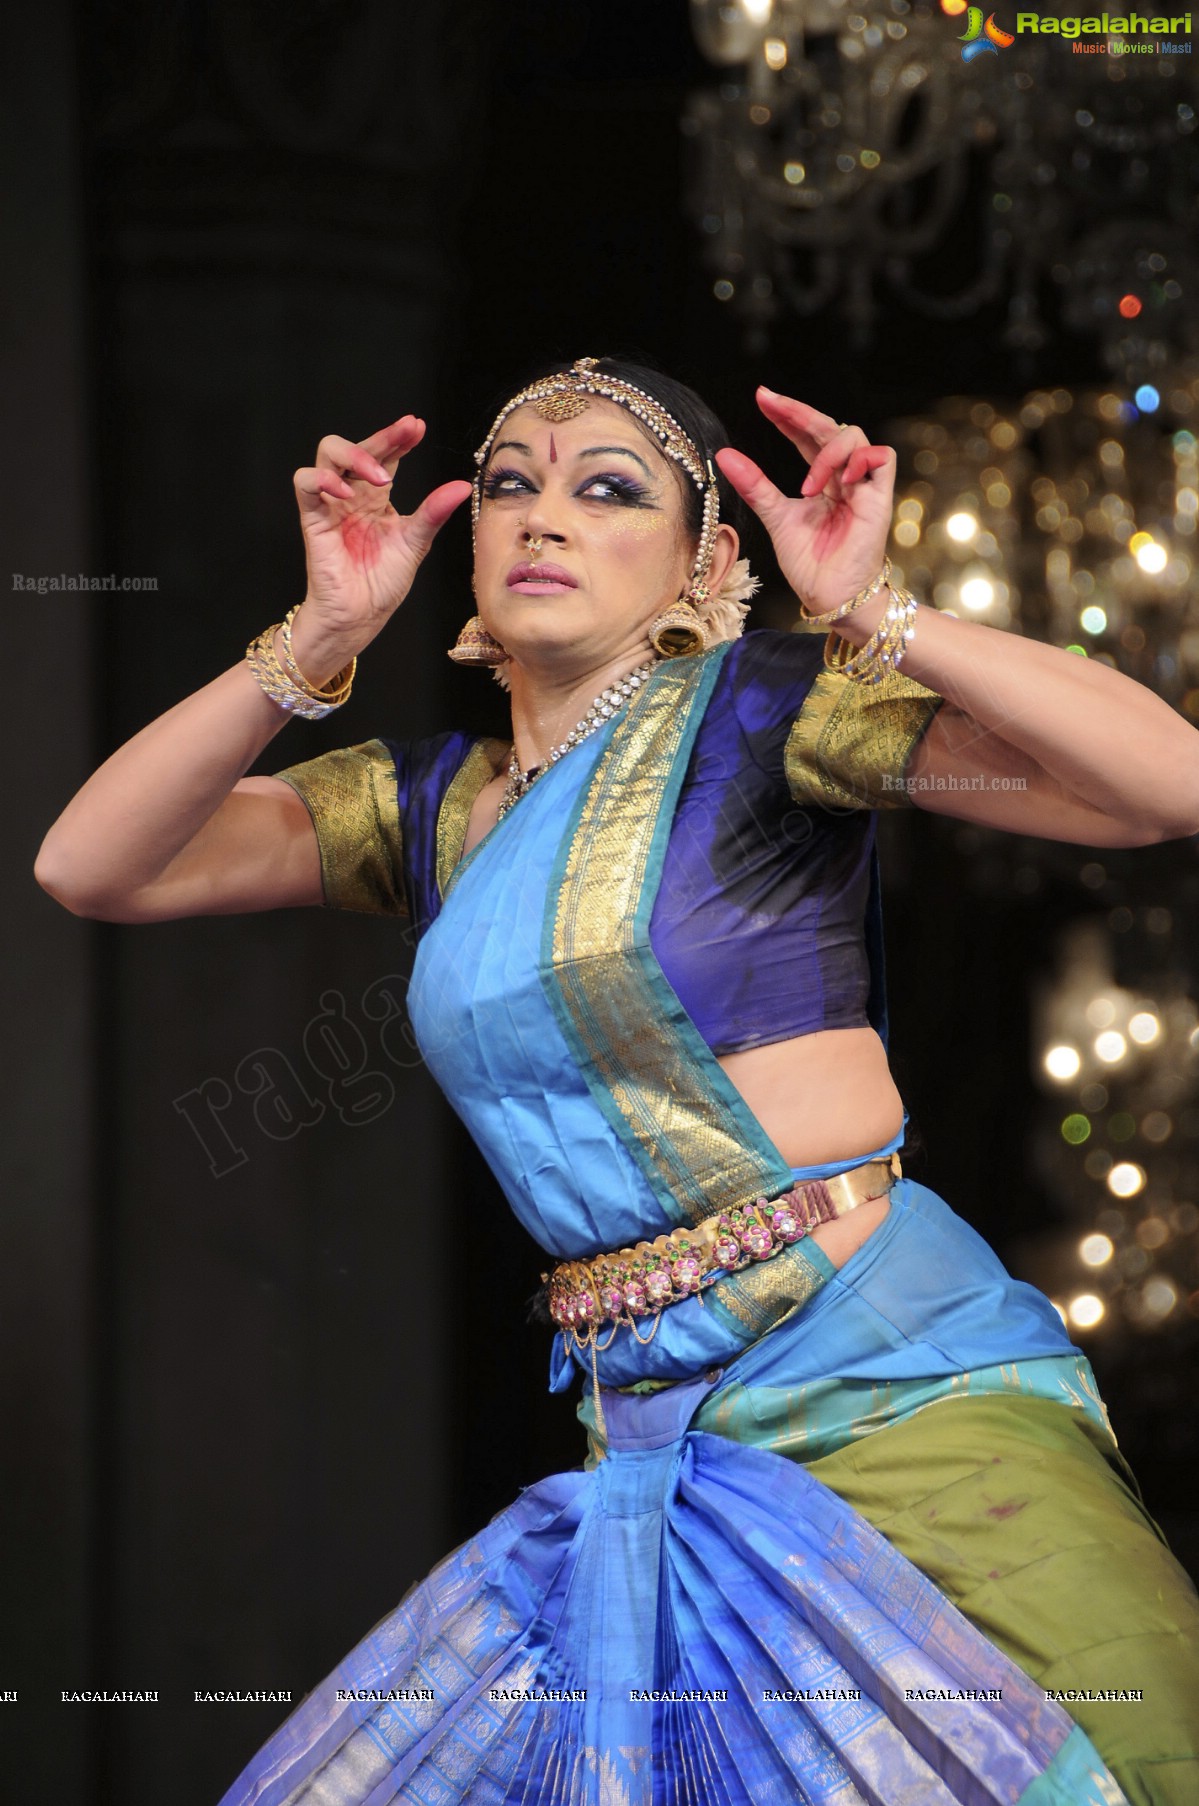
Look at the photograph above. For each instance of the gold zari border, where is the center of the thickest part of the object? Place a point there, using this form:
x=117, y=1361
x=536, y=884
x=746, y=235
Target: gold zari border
x=483, y=762
x=759, y=1297
x=666, y=1086
x=352, y=798
x=849, y=738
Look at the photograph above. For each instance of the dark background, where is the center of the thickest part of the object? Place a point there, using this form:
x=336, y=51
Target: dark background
x=248, y=1400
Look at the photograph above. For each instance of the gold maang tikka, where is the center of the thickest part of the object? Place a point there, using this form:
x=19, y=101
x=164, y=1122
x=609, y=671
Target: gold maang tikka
x=565, y=397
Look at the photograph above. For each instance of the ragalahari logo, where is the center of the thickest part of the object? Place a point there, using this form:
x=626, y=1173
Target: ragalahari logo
x=980, y=37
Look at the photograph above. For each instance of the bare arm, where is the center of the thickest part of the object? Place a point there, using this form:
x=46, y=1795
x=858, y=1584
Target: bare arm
x=1040, y=741
x=1031, y=738
x=169, y=825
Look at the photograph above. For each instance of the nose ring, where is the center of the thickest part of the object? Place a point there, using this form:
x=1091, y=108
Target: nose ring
x=534, y=547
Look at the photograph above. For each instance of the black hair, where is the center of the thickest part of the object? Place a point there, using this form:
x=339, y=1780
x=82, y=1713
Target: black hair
x=702, y=426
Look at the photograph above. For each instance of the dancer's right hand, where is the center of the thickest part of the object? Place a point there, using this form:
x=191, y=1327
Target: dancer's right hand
x=362, y=556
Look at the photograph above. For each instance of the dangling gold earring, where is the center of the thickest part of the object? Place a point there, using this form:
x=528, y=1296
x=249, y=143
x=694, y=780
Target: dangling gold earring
x=475, y=646
x=678, y=630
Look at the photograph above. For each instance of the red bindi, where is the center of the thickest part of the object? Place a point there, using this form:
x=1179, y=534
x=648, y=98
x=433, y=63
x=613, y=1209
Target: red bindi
x=553, y=450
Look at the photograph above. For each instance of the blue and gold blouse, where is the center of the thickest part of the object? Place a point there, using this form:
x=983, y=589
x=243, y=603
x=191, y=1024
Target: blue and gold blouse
x=764, y=919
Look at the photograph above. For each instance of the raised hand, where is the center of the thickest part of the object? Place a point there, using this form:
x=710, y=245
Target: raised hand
x=831, y=539
x=362, y=555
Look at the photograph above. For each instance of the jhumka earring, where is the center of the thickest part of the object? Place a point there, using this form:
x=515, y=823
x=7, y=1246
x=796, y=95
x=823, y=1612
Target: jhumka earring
x=679, y=629
x=475, y=646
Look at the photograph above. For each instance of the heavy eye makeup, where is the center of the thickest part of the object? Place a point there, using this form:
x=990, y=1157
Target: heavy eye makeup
x=610, y=486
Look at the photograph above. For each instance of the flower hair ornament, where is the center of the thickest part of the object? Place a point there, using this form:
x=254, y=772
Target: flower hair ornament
x=698, y=619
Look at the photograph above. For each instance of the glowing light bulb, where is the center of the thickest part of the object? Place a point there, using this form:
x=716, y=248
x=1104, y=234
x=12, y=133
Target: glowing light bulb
x=1086, y=1310
x=1147, y=398
x=757, y=11
x=1152, y=557
x=1062, y=1062
x=977, y=592
x=775, y=52
x=1144, y=1027
x=1096, y=1250
x=1110, y=1046
x=1092, y=620
x=961, y=527
x=1130, y=307
x=1126, y=1179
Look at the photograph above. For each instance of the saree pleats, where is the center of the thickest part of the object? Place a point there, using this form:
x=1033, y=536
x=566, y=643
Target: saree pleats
x=693, y=1623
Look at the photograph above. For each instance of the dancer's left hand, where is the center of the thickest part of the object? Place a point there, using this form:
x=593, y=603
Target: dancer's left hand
x=831, y=539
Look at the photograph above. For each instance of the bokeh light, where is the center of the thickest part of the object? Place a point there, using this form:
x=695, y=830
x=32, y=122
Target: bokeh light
x=1086, y=1310
x=977, y=592
x=1062, y=1061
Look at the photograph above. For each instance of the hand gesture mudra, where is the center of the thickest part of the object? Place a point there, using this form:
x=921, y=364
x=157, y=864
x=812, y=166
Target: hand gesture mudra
x=362, y=555
x=831, y=539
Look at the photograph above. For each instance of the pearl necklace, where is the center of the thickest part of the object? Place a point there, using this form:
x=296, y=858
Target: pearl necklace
x=606, y=704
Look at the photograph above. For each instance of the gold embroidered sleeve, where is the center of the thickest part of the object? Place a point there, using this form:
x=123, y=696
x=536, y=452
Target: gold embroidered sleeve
x=850, y=744
x=352, y=799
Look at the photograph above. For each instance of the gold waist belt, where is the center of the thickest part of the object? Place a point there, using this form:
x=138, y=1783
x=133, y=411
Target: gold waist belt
x=641, y=1281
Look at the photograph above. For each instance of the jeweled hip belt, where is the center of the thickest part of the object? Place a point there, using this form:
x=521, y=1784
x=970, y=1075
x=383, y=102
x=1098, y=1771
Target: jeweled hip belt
x=638, y=1282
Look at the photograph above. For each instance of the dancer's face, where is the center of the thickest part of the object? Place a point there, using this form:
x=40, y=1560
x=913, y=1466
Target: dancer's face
x=608, y=507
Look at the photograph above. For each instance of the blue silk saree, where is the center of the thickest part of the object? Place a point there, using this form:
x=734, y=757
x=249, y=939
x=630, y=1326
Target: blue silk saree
x=834, y=1538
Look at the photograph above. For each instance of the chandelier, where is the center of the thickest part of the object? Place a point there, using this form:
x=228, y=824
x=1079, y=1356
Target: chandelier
x=851, y=140
x=1068, y=516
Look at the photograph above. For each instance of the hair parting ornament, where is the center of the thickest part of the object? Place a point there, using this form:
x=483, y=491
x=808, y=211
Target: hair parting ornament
x=698, y=619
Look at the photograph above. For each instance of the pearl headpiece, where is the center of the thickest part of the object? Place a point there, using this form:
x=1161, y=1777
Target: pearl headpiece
x=565, y=396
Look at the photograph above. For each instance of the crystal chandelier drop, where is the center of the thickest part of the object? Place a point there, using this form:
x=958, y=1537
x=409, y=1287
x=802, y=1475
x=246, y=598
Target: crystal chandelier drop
x=849, y=142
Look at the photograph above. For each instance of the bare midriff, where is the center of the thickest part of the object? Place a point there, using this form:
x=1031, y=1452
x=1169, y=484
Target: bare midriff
x=819, y=1097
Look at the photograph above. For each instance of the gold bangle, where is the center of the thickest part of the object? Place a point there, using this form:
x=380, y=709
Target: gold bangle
x=295, y=695
x=332, y=691
x=882, y=581
x=884, y=650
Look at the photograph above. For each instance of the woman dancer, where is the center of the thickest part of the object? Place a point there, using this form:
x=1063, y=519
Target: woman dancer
x=853, y=1526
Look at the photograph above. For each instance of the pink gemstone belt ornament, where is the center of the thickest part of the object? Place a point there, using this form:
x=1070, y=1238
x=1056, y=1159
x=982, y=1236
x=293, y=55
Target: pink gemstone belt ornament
x=633, y=1283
